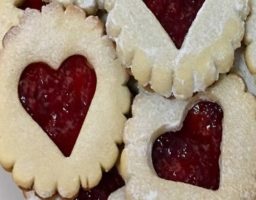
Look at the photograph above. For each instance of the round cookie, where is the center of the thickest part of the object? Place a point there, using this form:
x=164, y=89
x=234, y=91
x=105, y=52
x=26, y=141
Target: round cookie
x=35, y=159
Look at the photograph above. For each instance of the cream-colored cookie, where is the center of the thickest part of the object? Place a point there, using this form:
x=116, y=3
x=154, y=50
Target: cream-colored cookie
x=207, y=51
x=9, y=16
x=250, y=38
x=35, y=161
x=90, y=6
x=154, y=115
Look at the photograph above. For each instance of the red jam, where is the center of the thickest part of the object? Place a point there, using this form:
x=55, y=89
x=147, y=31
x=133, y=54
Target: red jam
x=58, y=100
x=109, y=183
x=191, y=155
x=176, y=16
x=33, y=4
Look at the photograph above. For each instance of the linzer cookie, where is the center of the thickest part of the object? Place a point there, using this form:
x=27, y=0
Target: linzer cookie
x=62, y=124
x=177, y=47
x=201, y=148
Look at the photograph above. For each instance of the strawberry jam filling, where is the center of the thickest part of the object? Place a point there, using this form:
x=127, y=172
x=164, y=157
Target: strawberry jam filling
x=191, y=155
x=33, y=4
x=109, y=183
x=176, y=16
x=58, y=100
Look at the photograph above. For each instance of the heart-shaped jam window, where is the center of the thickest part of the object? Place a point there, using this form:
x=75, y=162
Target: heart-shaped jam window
x=176, y=16
x=33, y=4
x=58, y=100
x=191, y=155
x=110, y=182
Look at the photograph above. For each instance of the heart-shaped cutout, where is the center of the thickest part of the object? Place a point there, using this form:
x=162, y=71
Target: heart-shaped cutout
x=33, y=4
x=58, y=100
x=110, y=182
x=191, y=155
x=176, y=16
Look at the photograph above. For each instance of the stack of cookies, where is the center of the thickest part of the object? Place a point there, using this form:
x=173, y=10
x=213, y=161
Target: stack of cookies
x=129, y=99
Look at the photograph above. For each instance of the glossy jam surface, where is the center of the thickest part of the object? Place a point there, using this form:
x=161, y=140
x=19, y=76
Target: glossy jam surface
x=191, y=155
x=34, y=4
x=176, y=16
x=58, y=100
x=109, y=183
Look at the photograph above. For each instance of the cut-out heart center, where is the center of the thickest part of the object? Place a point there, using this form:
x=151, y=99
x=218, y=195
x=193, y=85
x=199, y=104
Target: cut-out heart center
x=58, y=100
x=176, y=16
x=109, y=183
x=191, y=155
x=33, y=4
